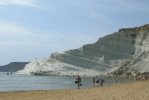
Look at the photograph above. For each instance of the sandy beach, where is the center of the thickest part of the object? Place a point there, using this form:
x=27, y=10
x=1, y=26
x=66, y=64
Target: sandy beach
x=128, y=91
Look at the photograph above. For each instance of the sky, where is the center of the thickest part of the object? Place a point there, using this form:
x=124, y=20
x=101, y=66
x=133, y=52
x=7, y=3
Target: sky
x=33, y=29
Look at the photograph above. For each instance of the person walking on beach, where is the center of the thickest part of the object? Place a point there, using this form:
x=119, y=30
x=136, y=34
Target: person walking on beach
x=78, y=81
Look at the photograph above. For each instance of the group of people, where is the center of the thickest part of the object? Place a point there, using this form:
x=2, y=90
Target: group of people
x=96, y=81
x=9, y=73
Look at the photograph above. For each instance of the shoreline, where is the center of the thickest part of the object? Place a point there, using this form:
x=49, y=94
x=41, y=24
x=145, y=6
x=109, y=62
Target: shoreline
x=85, y=86
x=138, y=90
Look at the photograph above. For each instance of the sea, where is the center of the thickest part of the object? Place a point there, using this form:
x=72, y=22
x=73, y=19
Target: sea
x=16, y=82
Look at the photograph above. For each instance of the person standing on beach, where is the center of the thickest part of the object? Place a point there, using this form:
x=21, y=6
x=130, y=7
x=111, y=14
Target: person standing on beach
x=94, y=81
x=101, y=82
x=116, y=80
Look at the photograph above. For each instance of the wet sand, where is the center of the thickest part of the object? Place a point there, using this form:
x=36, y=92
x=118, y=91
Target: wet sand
x=128, y=91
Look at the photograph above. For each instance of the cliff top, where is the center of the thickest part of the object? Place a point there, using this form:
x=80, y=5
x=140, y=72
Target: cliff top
x=135, y=29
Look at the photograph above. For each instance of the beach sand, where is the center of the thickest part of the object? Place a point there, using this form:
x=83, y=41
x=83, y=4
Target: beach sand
x=128, y=91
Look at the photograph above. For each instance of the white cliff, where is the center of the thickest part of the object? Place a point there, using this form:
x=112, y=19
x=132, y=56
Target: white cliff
x=54, y=67
x=124, y=51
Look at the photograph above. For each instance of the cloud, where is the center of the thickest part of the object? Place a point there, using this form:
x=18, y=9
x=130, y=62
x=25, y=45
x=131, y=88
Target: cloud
x=29, y=3
x=11, y=28
x=15, y=34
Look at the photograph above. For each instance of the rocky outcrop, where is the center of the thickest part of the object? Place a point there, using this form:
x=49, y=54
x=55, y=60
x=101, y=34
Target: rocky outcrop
x=121, y=52
x=13, y=67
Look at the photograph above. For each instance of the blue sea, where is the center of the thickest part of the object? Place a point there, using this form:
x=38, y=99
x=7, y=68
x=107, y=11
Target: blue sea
x=15, y=82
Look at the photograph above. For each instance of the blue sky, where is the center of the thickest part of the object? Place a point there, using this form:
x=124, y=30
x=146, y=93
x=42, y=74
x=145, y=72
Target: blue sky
x=32, y=29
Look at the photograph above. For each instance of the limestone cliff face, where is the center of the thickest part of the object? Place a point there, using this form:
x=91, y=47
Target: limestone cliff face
x=106, y=53
x=138, y=62
x=123, y=51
